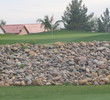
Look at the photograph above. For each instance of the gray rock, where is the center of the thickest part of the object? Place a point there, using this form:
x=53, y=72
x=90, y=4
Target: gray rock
x=29, y=82
x=71, y=63
x=98, y=63
x=18, y=63
x=95, y=83
x=27, y=78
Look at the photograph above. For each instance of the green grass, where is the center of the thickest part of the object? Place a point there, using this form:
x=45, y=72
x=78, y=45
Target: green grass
x=49, y=37
x=56, y=93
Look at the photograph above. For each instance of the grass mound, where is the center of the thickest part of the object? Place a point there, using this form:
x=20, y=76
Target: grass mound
x=49, y=37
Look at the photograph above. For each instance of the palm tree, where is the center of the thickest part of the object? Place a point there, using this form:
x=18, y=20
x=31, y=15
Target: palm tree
x=47, y=23
x=56, y=24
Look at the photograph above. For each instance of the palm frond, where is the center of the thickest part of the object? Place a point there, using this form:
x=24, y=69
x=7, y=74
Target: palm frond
x=47, y=23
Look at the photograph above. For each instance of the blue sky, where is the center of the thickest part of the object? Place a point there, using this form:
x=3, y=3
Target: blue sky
x=28, y=11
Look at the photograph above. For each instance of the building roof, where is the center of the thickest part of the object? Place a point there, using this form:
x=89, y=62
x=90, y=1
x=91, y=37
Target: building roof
x=34, y=28
x=14, y=29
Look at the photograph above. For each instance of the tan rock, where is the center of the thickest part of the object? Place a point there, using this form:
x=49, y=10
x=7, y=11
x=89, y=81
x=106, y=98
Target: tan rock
x=48, y=83
x=103, y=66
x=38, y=81
x=27, y=50
x=73, y=53
x=108, y=76
x=106, y=80
x=56, y=78
x=6, y=85
x=81, y=58
x=62, y=48
x=75, y=82
x=32, y=53
x=1, y=84
x=87, y=70
x=58, y=43
x=83, y=43
x=22, y=83
x=100, y=48
x=17, y=83
x=83, y=82
x=94, y=74
x=58, y=83
x=91, y=44
x=14, y=48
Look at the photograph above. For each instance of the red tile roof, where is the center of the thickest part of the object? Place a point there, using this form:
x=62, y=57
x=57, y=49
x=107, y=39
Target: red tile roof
x=14, y=29
x=34, y=28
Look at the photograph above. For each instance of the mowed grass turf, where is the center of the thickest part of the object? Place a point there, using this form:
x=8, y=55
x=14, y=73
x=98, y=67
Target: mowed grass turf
x=56, y=93
x=56, y=36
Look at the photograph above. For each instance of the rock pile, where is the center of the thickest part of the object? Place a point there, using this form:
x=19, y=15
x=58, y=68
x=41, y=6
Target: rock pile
x=84, y=63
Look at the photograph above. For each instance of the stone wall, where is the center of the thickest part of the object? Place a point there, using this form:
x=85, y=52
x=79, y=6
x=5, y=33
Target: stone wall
x=75, y=63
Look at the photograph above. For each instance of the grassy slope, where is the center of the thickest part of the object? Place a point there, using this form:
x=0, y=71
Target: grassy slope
x=56, y=93
x=48, y=37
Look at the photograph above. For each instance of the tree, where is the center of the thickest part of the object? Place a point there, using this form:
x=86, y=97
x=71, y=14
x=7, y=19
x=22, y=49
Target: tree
x=104, y=21
x=48, y=24
x=100, y=25
x=75, y=17
x=2, y=22
x=94, y=24
x=45, y=23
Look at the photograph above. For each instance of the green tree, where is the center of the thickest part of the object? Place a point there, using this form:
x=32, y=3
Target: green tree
x=45, y=23
x=94, y=24
x=48, y=23
x=75, y=17
x=100, y=25
x=104, y=21
x=2, y=22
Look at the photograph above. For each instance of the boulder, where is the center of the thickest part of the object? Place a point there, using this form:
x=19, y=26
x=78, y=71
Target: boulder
x=32, y=53
x=83, y=82
x=38, y=81
x=17, y=83
x=108, y=76
x=2, y=84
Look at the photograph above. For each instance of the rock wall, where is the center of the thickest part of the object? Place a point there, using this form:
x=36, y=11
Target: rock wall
x=75, y=63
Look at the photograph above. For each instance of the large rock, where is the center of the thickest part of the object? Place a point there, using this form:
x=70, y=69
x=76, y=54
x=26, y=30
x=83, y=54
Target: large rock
x=101, y=64
x=83, y=82
x=106, y=80
x=108, y=77
x=22, y=83
x=2, y=83
x=32, y=53
x=38, y=81
x=17, y=83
